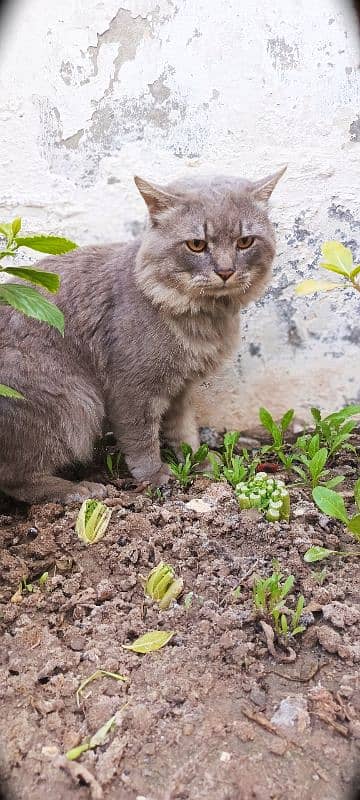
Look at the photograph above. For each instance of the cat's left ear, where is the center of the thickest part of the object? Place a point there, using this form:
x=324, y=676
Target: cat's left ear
x=261, y=190
x=156, y=198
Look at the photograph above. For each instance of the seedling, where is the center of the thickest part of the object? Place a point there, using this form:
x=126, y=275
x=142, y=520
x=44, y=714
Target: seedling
x=92, y=521
x=267, y=494
x=314, y=458
x=277, y=432
x=332, y=504
x=335, y=430
x=188, y=600
x=96, y=740
x=234, y=468
x=338, y=259
x=162, y=586
x=319, y=553
x=185, y=471
x=114, y=462
x=269, y=596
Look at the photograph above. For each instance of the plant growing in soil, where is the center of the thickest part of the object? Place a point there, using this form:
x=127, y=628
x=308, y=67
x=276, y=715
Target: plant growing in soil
x=227, y=465
x=314, y=458
x=319, y=553
x=332, y=504
x=277, y=432
x=269, y=595
x=185, y=471
x=267, y=494
x=338, y=259
x=114, y=462
x=92, y=521
x=335, y=430
x=25, y=298
x=162, y=586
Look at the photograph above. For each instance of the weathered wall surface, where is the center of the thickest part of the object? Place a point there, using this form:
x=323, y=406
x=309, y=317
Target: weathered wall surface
x=92, y=92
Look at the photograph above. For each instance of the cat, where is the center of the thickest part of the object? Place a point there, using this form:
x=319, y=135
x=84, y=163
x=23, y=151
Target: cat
x=144, y=321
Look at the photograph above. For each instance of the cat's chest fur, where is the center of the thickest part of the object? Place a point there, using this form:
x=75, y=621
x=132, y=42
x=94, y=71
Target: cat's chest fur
x=204, y=340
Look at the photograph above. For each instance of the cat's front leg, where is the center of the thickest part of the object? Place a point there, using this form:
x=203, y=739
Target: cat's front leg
x=180, y=424
x=136, y=424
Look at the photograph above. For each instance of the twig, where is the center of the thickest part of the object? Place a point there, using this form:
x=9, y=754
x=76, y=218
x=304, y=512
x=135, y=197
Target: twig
x=336, y=725
x=260, y=719
x=79, y=772
x=298, y=679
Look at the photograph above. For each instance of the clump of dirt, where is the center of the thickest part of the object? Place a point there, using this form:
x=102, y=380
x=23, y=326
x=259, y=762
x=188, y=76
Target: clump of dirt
x=211, y=716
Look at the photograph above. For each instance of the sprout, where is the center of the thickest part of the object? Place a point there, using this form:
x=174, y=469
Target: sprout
x=162, y=586
x=267, y=494
x=92, y=521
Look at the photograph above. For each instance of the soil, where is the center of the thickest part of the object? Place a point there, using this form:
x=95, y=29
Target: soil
x=221, y=712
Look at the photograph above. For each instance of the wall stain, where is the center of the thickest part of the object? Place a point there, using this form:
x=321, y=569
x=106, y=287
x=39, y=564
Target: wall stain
x=354, y=130
x=284, y=56
x=339, y=212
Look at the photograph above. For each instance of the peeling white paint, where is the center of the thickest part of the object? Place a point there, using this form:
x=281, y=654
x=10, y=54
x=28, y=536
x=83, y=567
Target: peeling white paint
x=92, y=92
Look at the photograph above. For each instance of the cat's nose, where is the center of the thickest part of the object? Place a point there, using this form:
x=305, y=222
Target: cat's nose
x=225, y=274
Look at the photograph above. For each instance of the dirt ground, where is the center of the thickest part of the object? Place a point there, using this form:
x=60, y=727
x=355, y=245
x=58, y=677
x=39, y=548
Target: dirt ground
x=211, y=716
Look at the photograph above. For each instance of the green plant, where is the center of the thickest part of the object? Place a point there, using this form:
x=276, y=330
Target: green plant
x=267, y=494
x=319, y=553
x=185, y=471
x=226, y=465
x=25, y=298
x=314, y=459
x=277, y=432
x=162, y=586
x=92, y=521
x=332, y=504
x=114, y=462
x=335, y=429
x=269, y=595
x=338, y=259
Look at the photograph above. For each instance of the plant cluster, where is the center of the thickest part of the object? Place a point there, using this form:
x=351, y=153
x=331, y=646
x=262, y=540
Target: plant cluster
x=185, y=471
x=269, y=595
x=267, y=494
x=338, y=259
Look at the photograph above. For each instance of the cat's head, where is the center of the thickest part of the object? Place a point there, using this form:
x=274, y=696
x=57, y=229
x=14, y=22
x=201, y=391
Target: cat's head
x=207, y=239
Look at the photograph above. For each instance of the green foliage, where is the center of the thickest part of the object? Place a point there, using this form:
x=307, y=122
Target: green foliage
x=92, y=521
x=150, y=641
x=24, y=298
x=114, y=462
x=185, y=471
x=277, y=432
x=335, y=430
x=269, y=595
x=267, y=494
x=162, y=586
x=339, y=260
x=332, y=504
x=319, y=553
x=228, y=466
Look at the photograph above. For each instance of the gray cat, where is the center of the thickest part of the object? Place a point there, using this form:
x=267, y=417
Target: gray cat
x=144, y=320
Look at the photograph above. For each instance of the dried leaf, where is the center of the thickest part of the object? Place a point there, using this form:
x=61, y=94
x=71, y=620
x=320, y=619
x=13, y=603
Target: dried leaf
x=150, y=641
x=311, y=285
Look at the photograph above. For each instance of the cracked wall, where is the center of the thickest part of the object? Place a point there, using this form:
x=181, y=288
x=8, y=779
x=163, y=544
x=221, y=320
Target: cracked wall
x=95, y=92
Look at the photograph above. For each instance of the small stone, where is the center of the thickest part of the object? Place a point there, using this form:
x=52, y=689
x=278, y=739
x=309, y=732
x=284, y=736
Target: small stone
x=105, y=590
x=292, y=713
x=354, y=728
x=199, y=506
x=341, y=614
x=49, y=750
x=225, y=757
x=278, y=747
x=77, y=642
x=188, y=729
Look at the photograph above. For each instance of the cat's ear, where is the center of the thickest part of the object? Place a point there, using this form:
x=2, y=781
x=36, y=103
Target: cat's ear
x=156, y=199
x=261, y=190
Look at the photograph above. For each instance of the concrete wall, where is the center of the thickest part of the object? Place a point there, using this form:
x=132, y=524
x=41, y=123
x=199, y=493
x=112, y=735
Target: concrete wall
x=92, y=92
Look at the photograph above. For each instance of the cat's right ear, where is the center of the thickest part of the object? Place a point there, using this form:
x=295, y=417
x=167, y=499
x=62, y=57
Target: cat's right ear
x=156, y=199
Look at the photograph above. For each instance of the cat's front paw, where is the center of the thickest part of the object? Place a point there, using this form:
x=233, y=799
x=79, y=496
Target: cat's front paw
x=159, y=478
x=85, y=490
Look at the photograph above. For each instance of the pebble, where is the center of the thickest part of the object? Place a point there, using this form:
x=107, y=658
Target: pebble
x=199, y=506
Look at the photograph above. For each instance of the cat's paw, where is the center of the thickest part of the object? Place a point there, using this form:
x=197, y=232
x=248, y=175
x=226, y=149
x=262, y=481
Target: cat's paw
x=159, y=478
x=84, y=490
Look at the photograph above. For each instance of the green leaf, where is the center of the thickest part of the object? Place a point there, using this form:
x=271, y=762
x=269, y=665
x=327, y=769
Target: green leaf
x=55, y=245
x=331, y=268
x=287, y=419
x=317, y=462
x=75, y=752
x=311, y=285
x=317, y=554
x=337, y=255
x=31, y=303
x=6, y=391
x=49, y=280
x=354, y=272
x=6, y=229
x=15, y=226
x=266, y=419
x=357, y=493
x=150, y=641
x=354, y=524
x=99, y=737
x=334, y=481
x=316, y=414
x=330, y=503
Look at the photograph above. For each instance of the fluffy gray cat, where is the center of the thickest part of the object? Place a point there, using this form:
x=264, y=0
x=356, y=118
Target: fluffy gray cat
x=144, y=320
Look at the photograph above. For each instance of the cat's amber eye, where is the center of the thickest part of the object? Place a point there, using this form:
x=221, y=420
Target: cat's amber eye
x=244, y=242
x=196, y=245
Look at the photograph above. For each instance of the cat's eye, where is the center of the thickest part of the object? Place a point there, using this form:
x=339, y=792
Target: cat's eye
x=196, y=245
x=244, y=242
